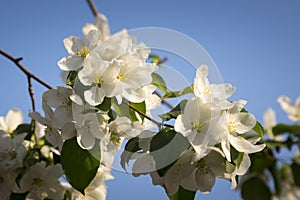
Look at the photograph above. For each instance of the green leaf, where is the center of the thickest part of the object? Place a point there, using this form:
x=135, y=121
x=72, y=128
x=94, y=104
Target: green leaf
x=80, y=166
x=124, y=110
x=138, y=106
x=259, y=129
x=174, y=112
x=18, y=196
x=174, y=94
x=283, y=128
x=105, y=105
x=71, y=78
x=255, y=189
x=261, y=161
x=183, y=194
x=296, y=173
x=229, y=167
x=276, y=178
x=24, y=128
x=131, y=147
x=159, y=82
x=165, y=147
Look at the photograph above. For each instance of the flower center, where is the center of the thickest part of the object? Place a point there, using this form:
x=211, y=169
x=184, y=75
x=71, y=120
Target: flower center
x=98, y=79
x=202, y=168
x=197, y=126
x=115, y=139
x=206, y=90
x=37, y=182
x=83, y=52
x=121, y=77
x=231, y=126
x=12, y=154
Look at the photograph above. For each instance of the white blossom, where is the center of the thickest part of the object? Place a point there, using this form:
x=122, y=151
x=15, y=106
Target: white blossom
x=199, y=124
x=42, y=182
x=11, y=121
x=234, y=124
x=79, y=48
x=212, y=93
x=293, y=110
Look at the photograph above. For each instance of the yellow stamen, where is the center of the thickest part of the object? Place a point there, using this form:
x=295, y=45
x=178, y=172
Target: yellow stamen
x=197, y=126
x=206, y=90
x=231, y=126
x=83, y=52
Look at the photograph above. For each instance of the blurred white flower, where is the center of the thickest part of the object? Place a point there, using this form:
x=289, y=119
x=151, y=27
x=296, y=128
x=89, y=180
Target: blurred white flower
x=293, y=110
x=212, y=93
x=12, y=151
x=42, y=182
x=11, y=121
x=199, y=124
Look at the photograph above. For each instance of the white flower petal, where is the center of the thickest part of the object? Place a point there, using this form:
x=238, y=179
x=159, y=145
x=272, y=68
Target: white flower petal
x=205, y=179
x=70, y=63
x=242, y=145
x=94, y=96
x=13, y=119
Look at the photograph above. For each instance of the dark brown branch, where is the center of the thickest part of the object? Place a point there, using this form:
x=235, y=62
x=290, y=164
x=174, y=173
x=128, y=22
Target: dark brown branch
x=29, y=76
x=24, y=70
x=92, y=7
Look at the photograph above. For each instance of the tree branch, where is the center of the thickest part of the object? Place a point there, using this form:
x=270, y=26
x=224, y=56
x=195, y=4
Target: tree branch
x=24, y=70
x=29, y=76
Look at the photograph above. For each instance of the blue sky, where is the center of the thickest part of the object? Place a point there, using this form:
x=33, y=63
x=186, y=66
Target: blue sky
x=255, y=45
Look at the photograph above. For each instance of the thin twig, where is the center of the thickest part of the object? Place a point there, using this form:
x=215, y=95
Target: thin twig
x=144, y=115
x=31, y=93
x=24, y=70
x=163, y=100
x=92, y=7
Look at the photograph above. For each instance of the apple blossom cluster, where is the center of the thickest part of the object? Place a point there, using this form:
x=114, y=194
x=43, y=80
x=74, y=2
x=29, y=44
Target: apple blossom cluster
x=220, y=135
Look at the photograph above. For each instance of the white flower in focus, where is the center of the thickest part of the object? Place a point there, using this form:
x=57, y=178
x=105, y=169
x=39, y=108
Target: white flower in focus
x=79, y=48
x=128, y=74
x=89, y=126
x=234, y=124
x=52, y=133
x=93, y=75
x=199, y=124
x=205, y=171
x=240, y=170
x=12, y=151
x=115, y=46
x=60, y=100
x=96, y=190
x=42, y=182
x=11, y=121
x=293, y=110
x=212, y=93
x=100, y=23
